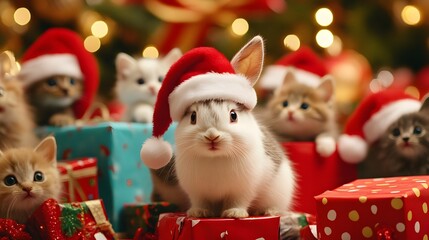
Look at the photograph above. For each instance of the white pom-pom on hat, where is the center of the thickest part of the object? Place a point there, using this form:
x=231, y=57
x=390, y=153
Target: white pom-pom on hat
x=156, y=153
x=353, y=149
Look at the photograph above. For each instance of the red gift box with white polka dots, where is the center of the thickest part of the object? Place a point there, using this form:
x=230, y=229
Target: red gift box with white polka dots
x=381, y=208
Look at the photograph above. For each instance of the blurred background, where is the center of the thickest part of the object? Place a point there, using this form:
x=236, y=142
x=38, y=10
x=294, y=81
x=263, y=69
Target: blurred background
x=368, y=45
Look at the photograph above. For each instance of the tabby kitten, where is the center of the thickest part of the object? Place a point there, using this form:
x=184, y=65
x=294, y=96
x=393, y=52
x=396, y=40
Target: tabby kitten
x=52, y=99
x=16, y=120
x=298, y=112
x=403, y=150
x=28, y=178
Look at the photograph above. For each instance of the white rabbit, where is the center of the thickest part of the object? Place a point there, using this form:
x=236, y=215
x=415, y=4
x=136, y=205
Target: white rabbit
x=227, y=163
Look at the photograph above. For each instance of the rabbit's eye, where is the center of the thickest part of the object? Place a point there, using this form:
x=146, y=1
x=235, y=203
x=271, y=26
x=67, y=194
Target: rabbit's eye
x=233, y=116
x=193, y=117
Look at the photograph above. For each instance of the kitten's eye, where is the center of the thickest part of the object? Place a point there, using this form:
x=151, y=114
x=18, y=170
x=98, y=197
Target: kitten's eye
x=72, y=81
x=38, y=177
x=160, y=78
x=285, y=103
x=10, y=180
x=396, y=132
x=51, y=82
x=140, y=81
x=304, y=106
x=193, y=118
x=233, y=116
x=417, y=131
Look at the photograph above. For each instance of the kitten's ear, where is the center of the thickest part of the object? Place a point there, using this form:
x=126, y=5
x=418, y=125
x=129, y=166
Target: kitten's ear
x=171, y=57
x=48, y=148
x=289, y=77
x=425, y=104
x=326, y=87
x=8, y=66
x=250, y=59
x=123, y=61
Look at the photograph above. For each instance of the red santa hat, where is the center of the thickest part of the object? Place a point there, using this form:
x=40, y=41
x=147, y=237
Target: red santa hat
x=308, y=69
x=200, y=74
x=60, y=51
x=371, y=119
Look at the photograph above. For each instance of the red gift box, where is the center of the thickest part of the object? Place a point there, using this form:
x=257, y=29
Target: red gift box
x=382, y=208
x=316, y=174
x=79, y=179
x=71, y=221
x=175, y=226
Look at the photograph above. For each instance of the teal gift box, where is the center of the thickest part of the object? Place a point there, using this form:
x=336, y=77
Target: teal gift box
x=122, y=176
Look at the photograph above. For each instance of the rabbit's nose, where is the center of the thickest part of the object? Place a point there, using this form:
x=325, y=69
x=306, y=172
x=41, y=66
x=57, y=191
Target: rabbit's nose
x=212, y=134
x=212, y=138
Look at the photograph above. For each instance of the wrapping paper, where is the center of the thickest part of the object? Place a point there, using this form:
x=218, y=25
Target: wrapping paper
x=70, y=221
x=122, y=176
x=174, y=226
x=79, y=179
x=381, y=208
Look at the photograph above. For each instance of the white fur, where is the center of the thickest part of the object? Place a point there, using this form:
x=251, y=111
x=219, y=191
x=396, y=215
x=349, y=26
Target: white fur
x=134, y=95
x=351, y=148
x=239, y=175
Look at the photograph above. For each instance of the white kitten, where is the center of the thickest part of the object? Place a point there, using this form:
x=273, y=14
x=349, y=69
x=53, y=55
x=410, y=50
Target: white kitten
x=138, y=83
x=227, y=163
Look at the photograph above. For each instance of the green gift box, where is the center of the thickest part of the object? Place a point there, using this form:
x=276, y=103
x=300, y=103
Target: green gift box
x=122, y=176
x=145, y=216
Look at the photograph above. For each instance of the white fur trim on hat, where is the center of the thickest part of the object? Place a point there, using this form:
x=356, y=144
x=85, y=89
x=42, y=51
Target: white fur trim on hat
x=207, y=86
x=352, y=149
x=49, y=65
x=274, y=75
x=374, y=128
x=156, y=153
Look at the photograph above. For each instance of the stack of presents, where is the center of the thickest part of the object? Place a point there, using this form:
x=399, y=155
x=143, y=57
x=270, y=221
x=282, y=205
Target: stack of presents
x=107, y=195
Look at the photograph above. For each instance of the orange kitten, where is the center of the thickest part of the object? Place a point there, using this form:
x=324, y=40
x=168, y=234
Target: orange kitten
x=16, y=120
x=298, y=112
x=29, y=177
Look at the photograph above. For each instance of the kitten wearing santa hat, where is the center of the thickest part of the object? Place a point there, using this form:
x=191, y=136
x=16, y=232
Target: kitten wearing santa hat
x=60, y=77
x=228, y=164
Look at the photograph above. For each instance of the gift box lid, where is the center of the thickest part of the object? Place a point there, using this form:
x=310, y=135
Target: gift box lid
x=379, y=188
x=178, y=226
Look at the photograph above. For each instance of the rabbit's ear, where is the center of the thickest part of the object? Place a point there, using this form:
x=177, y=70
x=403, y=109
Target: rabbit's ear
x=250, y=59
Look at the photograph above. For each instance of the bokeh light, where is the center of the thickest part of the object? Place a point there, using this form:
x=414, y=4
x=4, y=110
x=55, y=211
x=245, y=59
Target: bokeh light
x=240, y=26
x=22, y=16
x=336, y=47
x=150, y=52
x=324, y=17
x=292, y=42
x=92, y=44
x=324, y=38
x=99, y=29
x=411, y=15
